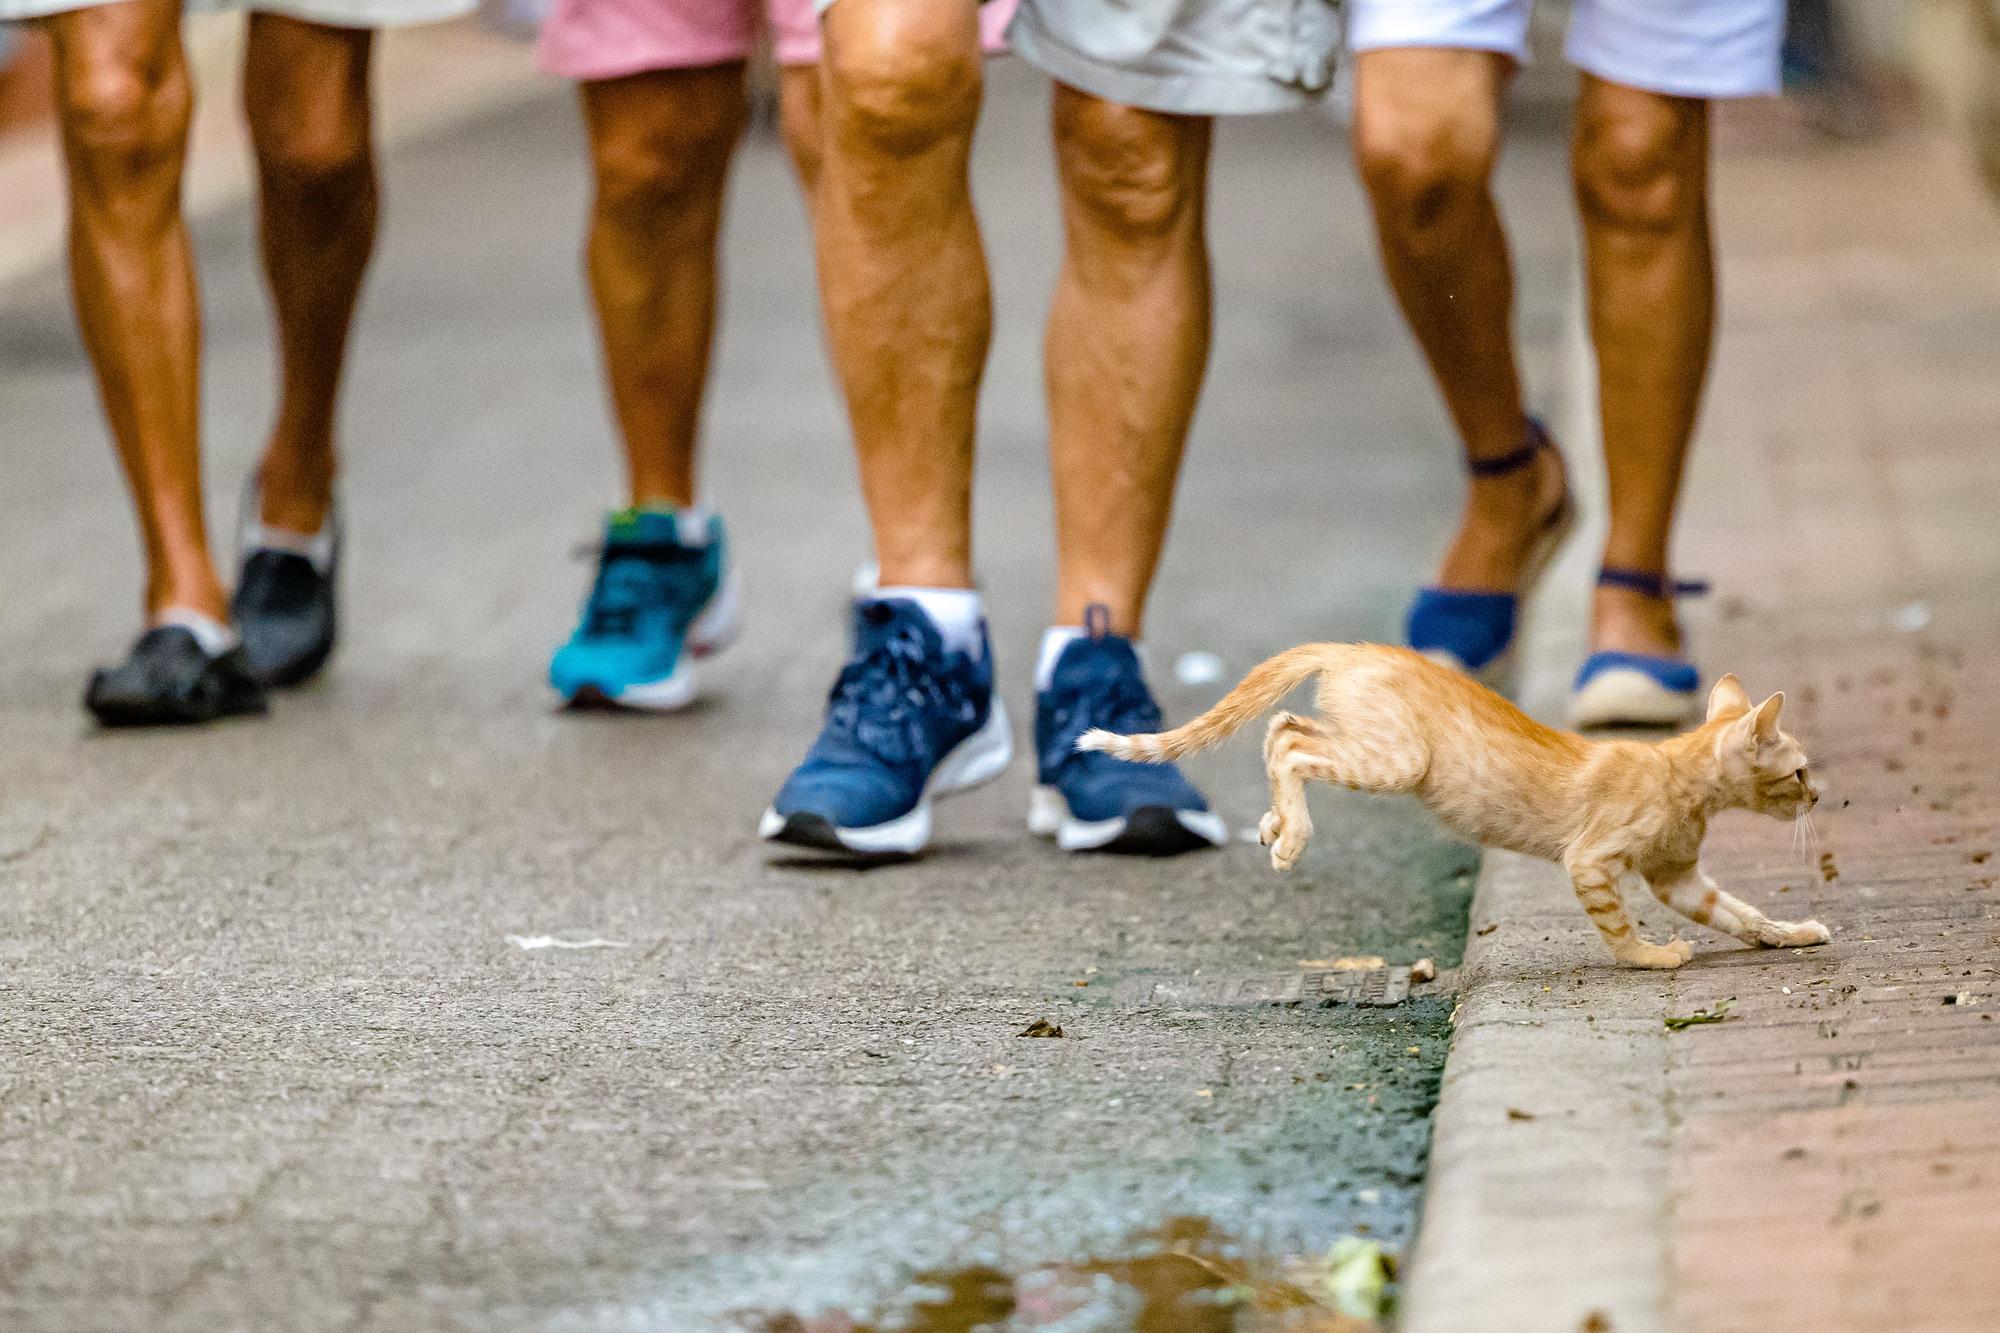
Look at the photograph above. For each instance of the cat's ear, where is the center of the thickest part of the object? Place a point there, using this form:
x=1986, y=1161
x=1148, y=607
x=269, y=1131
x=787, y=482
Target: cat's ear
x=1765, y=728
x=1727, y=699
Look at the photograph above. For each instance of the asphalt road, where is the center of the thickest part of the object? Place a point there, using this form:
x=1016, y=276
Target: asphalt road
x=267, y=1058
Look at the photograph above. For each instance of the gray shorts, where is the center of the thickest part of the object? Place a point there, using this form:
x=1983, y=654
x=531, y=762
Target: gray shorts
x=1193, y=57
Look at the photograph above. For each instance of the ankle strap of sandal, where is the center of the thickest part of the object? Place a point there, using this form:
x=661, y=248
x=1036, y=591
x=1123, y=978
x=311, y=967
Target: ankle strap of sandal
x=1534, y=439
x=1646, y=583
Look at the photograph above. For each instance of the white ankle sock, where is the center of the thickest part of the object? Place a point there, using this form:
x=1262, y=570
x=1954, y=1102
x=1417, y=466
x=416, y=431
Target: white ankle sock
x=957, y=613
x=694, y=523
x=1054, y=639
x=1058, y=637
x=214, y=637
x=314, y=546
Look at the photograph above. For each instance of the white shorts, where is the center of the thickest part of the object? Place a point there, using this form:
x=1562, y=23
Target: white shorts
x=1683, y=48
x=332, y=13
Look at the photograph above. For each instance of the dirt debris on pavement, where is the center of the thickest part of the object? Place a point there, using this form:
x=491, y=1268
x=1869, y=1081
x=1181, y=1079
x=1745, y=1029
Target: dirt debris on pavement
x=1041, y=1027
x=1718, y=1013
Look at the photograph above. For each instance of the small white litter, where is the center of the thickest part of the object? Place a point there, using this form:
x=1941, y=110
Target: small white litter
x=1197, y=668
x=551, y=942
x=1909, y=619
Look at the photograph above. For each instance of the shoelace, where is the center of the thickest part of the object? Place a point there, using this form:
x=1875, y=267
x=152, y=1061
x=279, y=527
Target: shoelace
x=1116, y=702
x=633, y=575
x=881, y=698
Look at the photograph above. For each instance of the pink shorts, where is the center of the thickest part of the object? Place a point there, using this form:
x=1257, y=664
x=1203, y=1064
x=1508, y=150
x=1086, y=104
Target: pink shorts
x=608, y=39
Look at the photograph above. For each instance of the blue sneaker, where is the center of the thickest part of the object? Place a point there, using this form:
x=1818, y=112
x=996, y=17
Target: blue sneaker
x=1092, y=802
x=663, y=597
x=908, y=720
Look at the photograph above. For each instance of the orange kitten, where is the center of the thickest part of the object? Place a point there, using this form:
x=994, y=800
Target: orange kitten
x=1611, y=813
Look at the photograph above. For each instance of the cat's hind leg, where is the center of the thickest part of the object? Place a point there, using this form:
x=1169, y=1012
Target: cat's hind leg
x=1287, y=826
x=1596, y=888
x=1298, y=750
x=1698, y=898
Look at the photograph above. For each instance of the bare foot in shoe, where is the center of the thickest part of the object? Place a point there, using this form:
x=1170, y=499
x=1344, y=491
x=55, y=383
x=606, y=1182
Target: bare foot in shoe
x=1503, y=517
x=1624, y=620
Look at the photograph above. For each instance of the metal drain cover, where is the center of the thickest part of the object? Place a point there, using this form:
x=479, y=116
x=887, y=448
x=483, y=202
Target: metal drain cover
x=1375, y=986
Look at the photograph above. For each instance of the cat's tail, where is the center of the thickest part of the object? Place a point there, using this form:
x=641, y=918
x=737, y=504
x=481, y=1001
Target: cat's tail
x=1264, y=686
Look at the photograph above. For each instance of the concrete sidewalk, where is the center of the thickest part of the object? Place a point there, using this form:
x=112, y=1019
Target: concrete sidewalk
x=1830, y=1159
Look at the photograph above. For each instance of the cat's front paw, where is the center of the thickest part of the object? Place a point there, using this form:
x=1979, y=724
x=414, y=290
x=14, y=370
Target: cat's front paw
x=1269, y=827
x=1286, y=851
x=1659, y=956
x=1802, y=934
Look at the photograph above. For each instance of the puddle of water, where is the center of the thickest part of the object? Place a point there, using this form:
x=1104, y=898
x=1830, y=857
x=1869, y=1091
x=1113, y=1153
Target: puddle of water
x=1189, y=1281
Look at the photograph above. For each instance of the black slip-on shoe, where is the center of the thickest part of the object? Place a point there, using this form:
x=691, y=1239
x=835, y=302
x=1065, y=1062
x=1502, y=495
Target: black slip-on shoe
x=284, y=609
x=169, y=680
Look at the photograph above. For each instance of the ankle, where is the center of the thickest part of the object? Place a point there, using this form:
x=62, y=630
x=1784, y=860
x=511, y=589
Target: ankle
x=1626, y=621
x=294, y=493
x=198, y=594
x=1509, y=501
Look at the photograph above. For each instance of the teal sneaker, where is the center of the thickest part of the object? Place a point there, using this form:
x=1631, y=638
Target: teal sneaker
x=665, y=595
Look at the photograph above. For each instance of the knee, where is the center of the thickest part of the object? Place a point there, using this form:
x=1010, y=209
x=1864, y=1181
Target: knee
x=1138, y=174
x=1643, y=171
x=1422, y=170
x=316, y=151
x=122, y=124
x=677, y=156
x=903, y=82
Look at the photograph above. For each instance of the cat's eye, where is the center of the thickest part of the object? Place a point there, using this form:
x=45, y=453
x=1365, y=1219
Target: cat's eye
x=1799, y=777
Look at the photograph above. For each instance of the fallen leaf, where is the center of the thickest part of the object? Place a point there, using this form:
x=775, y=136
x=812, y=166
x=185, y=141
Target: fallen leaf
x=1041, y=1027
x=1719, y=1014
x=1488, y=928
x=1516, y=1113
x=1356, y=963
x=1423, y=970
x=1358, y=1277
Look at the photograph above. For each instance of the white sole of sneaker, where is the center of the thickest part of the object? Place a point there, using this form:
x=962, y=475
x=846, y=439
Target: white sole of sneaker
x=1622, y=697
x=1049, y=817
x=712, y=631
x=721, y=620
x=979, y=758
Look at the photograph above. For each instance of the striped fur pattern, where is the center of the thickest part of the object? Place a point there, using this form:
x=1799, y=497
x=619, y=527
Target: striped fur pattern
x=1618, y=815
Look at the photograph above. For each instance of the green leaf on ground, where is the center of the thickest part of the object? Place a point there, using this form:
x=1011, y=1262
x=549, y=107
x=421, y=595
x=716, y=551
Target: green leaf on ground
x=1358, y=1277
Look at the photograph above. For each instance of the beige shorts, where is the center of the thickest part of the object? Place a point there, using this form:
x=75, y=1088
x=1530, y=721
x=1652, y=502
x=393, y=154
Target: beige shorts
x=1192, y=57
x=333, y=13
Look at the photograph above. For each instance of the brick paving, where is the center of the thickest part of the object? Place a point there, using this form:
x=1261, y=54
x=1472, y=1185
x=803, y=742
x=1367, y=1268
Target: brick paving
x=1829, y=1158
x=1836, y=1152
